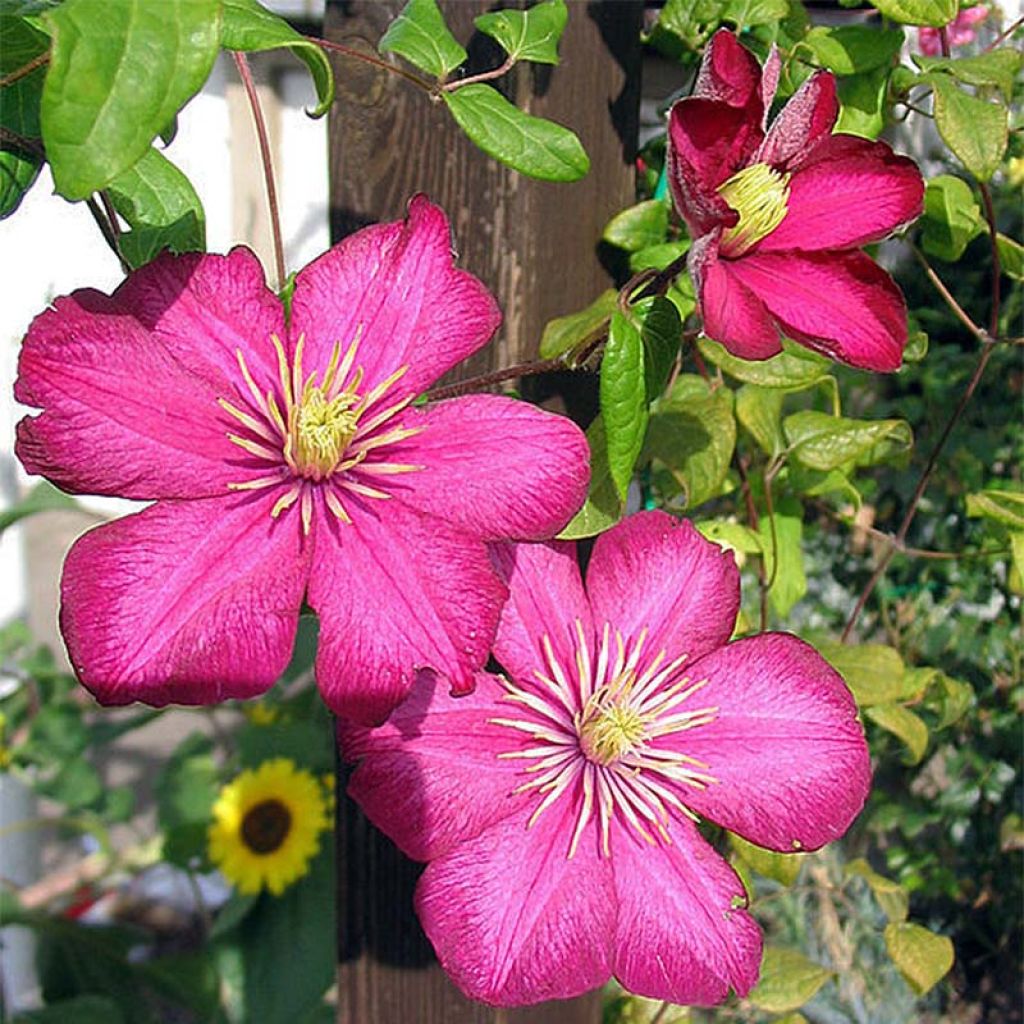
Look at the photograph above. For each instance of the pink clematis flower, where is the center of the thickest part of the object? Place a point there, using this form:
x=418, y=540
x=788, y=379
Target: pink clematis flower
x=557, y=806
x=778, y=214
x=959, y=32
x=288, y=463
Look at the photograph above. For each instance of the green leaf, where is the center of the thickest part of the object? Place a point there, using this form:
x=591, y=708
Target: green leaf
x=623, y=399
x=692, y=432
x=75, y=785
x=892, y=897
x=731, y=536
x=854, y=49
x=638, y=227
x=951, y=217
x=903, y=724
x=749, y=13
x=782, y=867
x=793, y=369
x=19, y=111
x=918, y=12
x=661, y=331
x=788, y=980
x=759, y=410
x=42, y=498
x=531, y=145
x=783, y=555
x=567, y=332
x=119, y=71
x=923, y=958
x=249, y=27
x=532, y=34
x=817, y=483
x=185, y=792
x=161, y=207
x=305, y=742
x=974, y=129
x=88, y=1009
x=602, y=508
x=1011, y=257
x=873, y=672
x=1006, y=507
x=826, y=442
x=420, y=35
x=997, y=67
x=57, y=734
x=658, y=257
x=862, y=103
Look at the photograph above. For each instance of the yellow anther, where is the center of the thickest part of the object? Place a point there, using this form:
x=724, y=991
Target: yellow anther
x=609, y=732
x=760, y=195
x=323, y=430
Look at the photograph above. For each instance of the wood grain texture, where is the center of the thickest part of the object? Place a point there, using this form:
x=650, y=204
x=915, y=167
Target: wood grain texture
x=536, y=245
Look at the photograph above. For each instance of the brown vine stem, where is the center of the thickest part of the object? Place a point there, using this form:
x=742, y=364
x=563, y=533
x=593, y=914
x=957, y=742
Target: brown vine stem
x=947, y=295
x=108, y=230
x=997, y=269
x=1004, y=35
x=26, y=69
x=486, y=380
x=369, y=58
x=484, y=76
x=268, y=167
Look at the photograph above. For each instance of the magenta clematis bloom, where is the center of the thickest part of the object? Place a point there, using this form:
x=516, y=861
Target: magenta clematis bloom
x=288, y=463
x=778, y=214
x=557, y=805
x=959, y=32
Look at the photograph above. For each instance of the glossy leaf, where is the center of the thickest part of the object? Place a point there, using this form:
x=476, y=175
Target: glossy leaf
x=818, y=483
x=793, y=369
x=1011, y=257
x=873, y=672
x=661, y=333
x=249, y=28
x=731, y=536
x=1006, y=507
x=602, y=508
x=659, y=256
x=750, y=13
x=923, y=958
x=853, y=49
x=973, y=128
x=759, y=410
x=532, y=34
x=788, y=980
x=997, y=67
x=826, y=442
x=892, y=897
x=531, y=145
x=783, y=555
x=638, y=227
x=420, y=35
x=862, y=103
x=903, y=724
x=623, y=399
x=918, y=12
x=951, y=217
x=565, y=333
x=19, y=109
x=782, y=867
x=119, y=71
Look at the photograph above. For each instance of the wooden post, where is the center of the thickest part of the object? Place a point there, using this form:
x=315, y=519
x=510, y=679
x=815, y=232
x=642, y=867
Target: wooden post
x=535, y=244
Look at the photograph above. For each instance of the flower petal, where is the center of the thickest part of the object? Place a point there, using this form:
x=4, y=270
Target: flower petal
x=806, y=119
x=546, y=599
x=394, y=287
x=853, y=192
x=513, y=920
x=839, y=303
x=431, y=776
x=192, y=602
x=728, y=72
x=397, y=592
x=785, y=745
x=119, y=414
x=682, y=933
x=207, y=308
x=655, y=572
x=733, y=315
x=494, y=467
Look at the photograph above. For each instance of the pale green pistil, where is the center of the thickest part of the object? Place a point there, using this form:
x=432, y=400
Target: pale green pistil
x=760, y=195
x=613, y=731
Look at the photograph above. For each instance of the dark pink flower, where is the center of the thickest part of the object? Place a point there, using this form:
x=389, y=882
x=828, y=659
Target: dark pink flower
x=959, y=32
x=778, y=214
x=557, y=805
x=288, y=464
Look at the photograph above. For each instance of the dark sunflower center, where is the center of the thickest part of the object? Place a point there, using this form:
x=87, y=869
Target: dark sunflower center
x=265, y=826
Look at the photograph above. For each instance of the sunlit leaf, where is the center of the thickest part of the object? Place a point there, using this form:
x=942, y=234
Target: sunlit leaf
x=873, y=672
x=566, y=332
x=923, y=958
x=782, y=867
x=420, y=35
x=975, y=129
x=1006, y=507
x=794, y=369
x=781, y=543
x=788, y=980
x=892, y=897
x=759, y=410
x=997, y=67
x=602, y=508
x=951, y=217
x=826, y=442
x=638, y=227
x=904, y=724
x=853, y=49
x=623, y=399
x=532, y=34
x=918, y=12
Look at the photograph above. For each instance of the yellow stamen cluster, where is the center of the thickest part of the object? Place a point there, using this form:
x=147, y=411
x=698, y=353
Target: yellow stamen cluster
x=760, y=195
x=610, y=727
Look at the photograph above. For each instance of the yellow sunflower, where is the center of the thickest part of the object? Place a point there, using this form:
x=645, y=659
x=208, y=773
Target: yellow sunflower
x=266, y=826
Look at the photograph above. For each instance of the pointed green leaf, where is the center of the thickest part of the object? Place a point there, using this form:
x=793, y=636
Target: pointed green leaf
x=788, y=980
x=1011, y=257
x=532, y=34
x=602, y=508
x=119, y=71
x=818, y=483
x=759, y=410
x=951, y=217
x=1006, y=507
x=892, y=897
x=420, y=35
x=822, y=441
x=623, y=399
x=973, y=128
x=873, y=672
x=750, y=13
x=862, y=103
x=658, y=257
x=997, y=67
x=531, y=145
x=638, y=227
x=249, y=28
x=567, y=332
x=853, y=49
x=782, y=867
x=794, y=369
x=731, y=536
x=783, y=555
x=661, y=331
x=918, y=12
x=903, y=724
x=923, y=957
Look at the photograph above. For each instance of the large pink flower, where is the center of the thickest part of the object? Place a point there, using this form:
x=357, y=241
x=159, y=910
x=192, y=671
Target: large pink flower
x=557, y=805
x=288, y=463
x=778, y=214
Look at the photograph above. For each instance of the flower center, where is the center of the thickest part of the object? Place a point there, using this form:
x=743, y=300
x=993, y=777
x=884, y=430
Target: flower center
x=266, y=825
x=323, y=428
x=760, y=195
x=609, y=729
